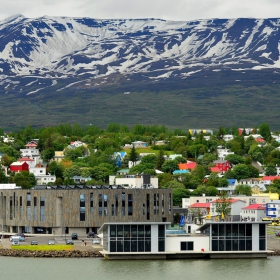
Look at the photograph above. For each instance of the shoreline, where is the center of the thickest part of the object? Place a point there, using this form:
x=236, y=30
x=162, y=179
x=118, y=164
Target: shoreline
x=50, y=254
x=70, y=253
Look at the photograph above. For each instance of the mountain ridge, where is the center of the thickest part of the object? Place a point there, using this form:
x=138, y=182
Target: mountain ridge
x=56, y=56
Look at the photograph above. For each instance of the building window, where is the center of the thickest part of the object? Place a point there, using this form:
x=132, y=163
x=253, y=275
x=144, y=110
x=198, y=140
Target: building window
x=105, y=204
x=35, y=209
x=231, y=237
x=20, y=208
x=113, y=210
x=161, y=238
x=187, y=246
x=42, y=208
x=130, y=204
x=91, y=202
x=117, y=203
x=123, y=204
x=130, y=238
x=169, y=203
x=11, y=207
x=28, y=206
x=162, y=204
x=148, y=206
x=82, y=207
x=100, y=204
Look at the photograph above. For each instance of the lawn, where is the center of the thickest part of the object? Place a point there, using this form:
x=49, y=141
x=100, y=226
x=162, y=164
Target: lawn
x=57, y=247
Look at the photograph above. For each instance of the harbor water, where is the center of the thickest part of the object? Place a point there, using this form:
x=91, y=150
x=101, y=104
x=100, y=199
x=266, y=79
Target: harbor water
x=98, y=268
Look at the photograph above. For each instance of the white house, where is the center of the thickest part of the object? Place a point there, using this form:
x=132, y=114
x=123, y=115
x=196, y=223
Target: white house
x=253, y=212
x=236, y=207
x=134, y=181
x=222, y=153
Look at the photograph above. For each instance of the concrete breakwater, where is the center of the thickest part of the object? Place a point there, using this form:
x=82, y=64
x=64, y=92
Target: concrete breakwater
x=49, y=254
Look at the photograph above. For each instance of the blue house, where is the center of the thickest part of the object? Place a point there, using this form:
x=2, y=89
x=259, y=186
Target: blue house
x=273, y=209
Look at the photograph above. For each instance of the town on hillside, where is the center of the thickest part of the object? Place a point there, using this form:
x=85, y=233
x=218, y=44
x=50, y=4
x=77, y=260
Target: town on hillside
x=147, y=174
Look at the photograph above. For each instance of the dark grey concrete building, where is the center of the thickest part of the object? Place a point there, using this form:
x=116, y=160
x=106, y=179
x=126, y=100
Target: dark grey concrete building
x=80, y=209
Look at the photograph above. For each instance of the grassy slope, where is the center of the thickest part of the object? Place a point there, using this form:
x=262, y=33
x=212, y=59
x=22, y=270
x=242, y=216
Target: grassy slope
x=196, y=103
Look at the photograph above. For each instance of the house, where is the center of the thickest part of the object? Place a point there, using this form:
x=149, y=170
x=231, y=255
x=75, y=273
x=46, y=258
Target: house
x=228, y=137
x=160, y=143
x=190, y=165
x=172, y=157
x=58, y=156
x=222, y=165
x=204, y=208
x=222, y=153
x=261, y=198
x=80, y=179
x=273, y=209
x=31, y=162
x=198, y=131
x=31, y=152
x=140, y=144
x=180, y=172
x=232, y=183
x=41, y=176
x=123, y=171
x=267, y=180
x=19, y=166
x=253, y=212
x=236, y=207
x=134, y=181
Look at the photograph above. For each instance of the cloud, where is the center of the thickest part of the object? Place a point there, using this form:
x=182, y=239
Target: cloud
x=165, y=9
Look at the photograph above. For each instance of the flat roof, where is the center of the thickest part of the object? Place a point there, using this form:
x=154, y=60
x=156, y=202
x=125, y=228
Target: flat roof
x=205, y=226
x=133, y=223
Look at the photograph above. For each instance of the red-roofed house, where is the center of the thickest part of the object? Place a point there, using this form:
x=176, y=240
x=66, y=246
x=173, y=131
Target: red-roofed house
x=223, y=165
x=236, y=207
x=267, y=180
x=31, y=162
x=260, y=140
x=187, y=166
x=253, y=212
x=19, y=166
x=215, y=169
x=199, y=210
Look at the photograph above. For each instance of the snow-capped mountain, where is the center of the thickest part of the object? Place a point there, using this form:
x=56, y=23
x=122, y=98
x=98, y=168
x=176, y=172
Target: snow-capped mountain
x=45, y=52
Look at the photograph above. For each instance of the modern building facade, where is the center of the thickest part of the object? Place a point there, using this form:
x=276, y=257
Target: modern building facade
x=80, y=209
x=152, y=241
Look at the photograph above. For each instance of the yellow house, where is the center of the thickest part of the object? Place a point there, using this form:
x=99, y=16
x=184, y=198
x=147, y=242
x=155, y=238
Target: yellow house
x=58, y=156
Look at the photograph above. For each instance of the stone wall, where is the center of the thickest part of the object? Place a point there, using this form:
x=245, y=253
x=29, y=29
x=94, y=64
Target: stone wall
x=49, y=254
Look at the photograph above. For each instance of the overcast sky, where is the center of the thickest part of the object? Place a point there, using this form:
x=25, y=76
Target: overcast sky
x=164, y=9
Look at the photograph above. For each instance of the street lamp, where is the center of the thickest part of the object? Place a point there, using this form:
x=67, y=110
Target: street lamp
x=65, y=234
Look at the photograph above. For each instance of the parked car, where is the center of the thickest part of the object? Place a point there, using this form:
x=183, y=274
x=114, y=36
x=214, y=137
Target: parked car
x=15, y=242
x=74, y=236
x=90, y=234
x=17, y=237
x=96, y=241
x=69, y=242
x=34, y=242
x=51, y=242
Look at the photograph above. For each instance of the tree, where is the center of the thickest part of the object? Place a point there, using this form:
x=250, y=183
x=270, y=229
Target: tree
x=243, y=189
x=174, y=185
x=178, y=194
x=47, y=154
x=223, y=205
x=271, y=170
x=3, y=178
x=133, y=155
x=235, y=159
x=160, y=160
x=150, y=159
x=169, y=166
x=265, y=132
x=25, y=179
x=164, y=178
